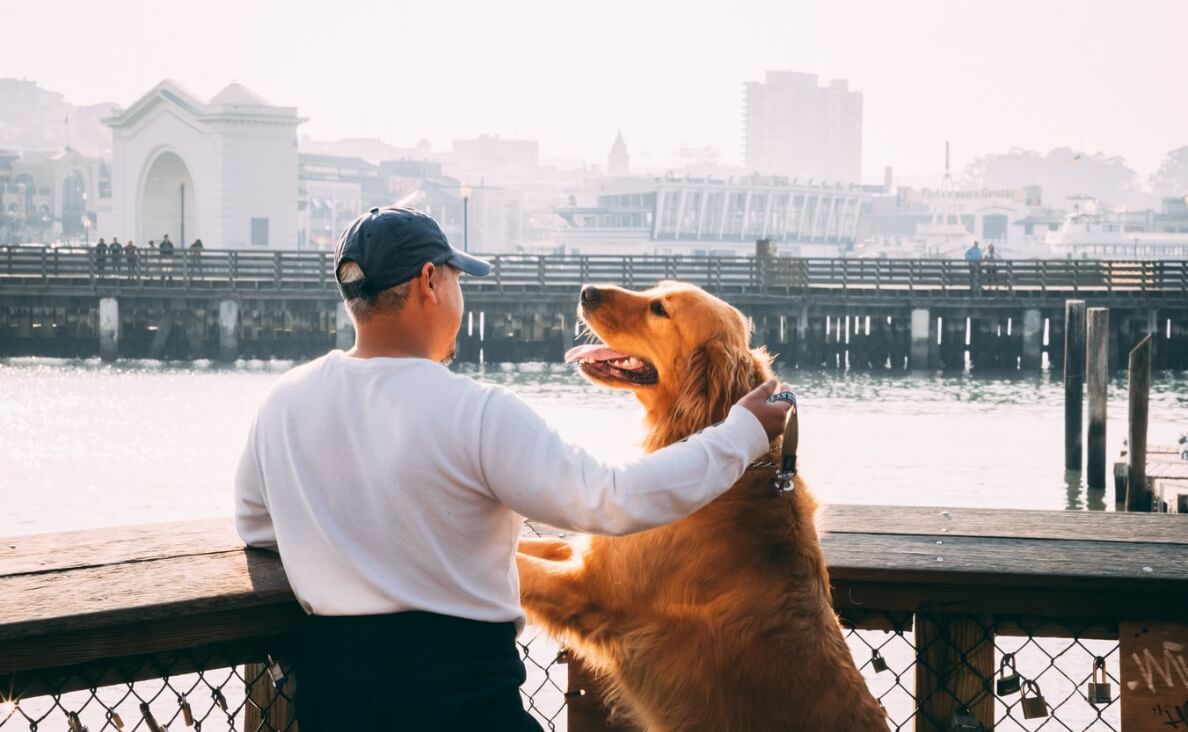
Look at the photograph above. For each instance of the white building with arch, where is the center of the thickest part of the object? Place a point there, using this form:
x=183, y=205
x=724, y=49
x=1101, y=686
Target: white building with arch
x=223, y=171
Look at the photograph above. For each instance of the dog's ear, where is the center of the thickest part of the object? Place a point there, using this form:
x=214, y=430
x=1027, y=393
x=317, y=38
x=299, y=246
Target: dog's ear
x=717, y=375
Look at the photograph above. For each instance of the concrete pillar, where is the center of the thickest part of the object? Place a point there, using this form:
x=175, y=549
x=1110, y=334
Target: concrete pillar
x=921, y=341
x=109, y=328
x=345, y=328
x=1033, y=340
x=228, y=330
x=802, y=336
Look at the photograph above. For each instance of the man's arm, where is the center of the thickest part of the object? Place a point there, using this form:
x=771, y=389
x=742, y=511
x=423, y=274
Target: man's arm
x=252, y=519
x=529, y=468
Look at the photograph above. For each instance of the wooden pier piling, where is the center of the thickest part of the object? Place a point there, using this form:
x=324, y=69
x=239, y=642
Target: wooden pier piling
x=1097, y=368
x=1074, y=383
x=1138, y=498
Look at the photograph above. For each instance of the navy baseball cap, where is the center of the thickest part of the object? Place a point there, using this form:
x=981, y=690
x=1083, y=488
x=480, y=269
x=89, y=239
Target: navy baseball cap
x=391, y=245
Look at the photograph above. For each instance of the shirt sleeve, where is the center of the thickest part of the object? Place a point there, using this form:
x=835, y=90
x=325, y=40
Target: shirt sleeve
x=532, y=470
x=252, y=519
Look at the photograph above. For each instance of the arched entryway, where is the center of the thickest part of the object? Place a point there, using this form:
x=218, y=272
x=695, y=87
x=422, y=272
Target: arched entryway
x=74, y=204
x=167, y=202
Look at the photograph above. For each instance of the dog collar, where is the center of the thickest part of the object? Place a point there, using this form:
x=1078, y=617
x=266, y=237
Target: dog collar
x=783, y=482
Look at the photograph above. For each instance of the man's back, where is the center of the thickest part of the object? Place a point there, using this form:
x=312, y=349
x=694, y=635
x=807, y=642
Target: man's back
x=367, y=468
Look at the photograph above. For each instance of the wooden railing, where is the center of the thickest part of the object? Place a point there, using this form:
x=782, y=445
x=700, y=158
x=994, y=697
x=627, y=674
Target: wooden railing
x=181, y=617
x=239, y=270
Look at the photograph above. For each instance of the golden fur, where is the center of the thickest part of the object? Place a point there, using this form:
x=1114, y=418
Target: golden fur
x=722, y=621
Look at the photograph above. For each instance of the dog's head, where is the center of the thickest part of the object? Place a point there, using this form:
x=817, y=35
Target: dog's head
x=683, y=352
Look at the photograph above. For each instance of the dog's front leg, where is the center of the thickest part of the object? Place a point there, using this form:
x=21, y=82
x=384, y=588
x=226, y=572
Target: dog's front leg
x=555, y=596
x=557, y=550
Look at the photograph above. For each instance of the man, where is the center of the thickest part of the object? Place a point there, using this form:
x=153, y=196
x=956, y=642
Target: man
x=165, y=248
x=101, y=255
x=394, y=490
x=973, y=255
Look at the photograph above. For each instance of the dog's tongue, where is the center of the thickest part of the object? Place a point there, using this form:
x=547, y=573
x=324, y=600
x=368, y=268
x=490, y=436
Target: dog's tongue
x=592, y=353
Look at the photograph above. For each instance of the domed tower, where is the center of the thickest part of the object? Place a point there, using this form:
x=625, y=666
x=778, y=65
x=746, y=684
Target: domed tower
x=618, y=162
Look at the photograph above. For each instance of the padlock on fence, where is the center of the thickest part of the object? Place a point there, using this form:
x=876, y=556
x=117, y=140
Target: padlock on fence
x=1008, y=681
x=76, y=724
x=1099, y=691
x=187, y=713
x=116, y=720
x=219, y=699
x=277, y=673
x=963, y=721
x=1034, y=707
x=877, y=662
x=149, y=720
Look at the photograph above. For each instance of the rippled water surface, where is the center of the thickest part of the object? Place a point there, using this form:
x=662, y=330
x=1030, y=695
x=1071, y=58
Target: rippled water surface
x=85, y=444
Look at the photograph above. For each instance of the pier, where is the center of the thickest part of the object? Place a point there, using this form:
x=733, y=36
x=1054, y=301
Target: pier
x=871, y=314
x=177, y=622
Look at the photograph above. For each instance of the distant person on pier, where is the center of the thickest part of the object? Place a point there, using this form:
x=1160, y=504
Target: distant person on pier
x=116, y=251
x=130, y=256
x=165, y=249
x=394, y=491
x=101, y=255
x=973, y=255
x=989, y=266
x=196, y=256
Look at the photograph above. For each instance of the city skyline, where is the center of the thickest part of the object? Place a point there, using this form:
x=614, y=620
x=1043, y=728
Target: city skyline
x=1023, y=76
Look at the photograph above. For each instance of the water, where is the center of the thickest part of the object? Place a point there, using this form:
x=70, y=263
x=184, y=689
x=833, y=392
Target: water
x=85, y=444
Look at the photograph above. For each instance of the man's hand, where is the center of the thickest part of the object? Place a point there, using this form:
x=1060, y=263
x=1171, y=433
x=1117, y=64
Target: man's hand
x=772, y=415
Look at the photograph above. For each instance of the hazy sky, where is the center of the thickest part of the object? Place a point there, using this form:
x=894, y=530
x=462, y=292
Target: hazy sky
x=989, y=75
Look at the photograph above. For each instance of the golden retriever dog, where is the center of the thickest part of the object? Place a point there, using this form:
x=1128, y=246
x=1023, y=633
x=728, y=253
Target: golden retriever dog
x=722, y=621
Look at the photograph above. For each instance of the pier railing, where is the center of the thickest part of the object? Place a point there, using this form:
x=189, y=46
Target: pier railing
x=178, y=626
x=303, y=271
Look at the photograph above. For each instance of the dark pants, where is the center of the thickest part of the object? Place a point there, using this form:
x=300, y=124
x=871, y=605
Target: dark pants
x=410, y=671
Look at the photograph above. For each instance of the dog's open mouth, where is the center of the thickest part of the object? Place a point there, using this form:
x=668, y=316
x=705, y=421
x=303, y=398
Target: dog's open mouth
x=608, y=364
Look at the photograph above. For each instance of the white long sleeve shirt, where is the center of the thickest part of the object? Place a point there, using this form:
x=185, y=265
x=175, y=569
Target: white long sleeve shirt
x=392, y=484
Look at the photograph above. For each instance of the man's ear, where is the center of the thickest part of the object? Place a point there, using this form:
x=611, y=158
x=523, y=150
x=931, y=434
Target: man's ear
x=428, y=281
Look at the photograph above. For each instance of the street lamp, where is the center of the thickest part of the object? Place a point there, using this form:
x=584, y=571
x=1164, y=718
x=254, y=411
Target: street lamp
x=466, y=217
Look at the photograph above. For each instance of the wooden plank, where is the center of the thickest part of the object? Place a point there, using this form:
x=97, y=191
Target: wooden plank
x=1000, y=523
x=93, y=547
x=132, y=638
x=1138, y=496
x=1154, y=676
x=1025, y=563
x=107, y=595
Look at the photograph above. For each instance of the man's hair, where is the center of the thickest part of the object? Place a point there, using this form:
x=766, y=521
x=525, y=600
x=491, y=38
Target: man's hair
x=363, y=308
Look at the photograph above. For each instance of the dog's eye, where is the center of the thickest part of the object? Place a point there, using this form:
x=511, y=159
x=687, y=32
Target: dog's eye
x=658, y=309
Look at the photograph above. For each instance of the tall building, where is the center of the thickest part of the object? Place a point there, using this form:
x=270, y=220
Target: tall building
x=793, y=126
x=618, y=162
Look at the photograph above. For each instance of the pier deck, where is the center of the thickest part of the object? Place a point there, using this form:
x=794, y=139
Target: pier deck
x=836, y=313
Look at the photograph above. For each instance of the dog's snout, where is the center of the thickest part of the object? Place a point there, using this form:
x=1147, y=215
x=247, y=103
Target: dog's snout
x=591, y=296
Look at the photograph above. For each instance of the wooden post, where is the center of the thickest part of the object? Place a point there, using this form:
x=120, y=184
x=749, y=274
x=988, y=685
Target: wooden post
x=584, y=707
x=1098, y=372
x=268, y=707
x=1074, y=383
x=1138, y=498
x=954, y=668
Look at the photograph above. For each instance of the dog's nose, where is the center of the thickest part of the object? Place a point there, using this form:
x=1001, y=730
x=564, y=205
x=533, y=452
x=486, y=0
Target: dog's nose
x=591, y=296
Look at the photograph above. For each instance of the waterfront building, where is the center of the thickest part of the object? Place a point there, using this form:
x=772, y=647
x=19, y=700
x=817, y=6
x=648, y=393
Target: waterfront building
x=223, y=170
x=708, y=216
x=794, y=126
x=54, y=196
x=33, y=118
x=487, y=154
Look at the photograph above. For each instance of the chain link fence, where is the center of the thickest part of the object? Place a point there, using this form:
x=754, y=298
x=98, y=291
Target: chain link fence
x=963, y=661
